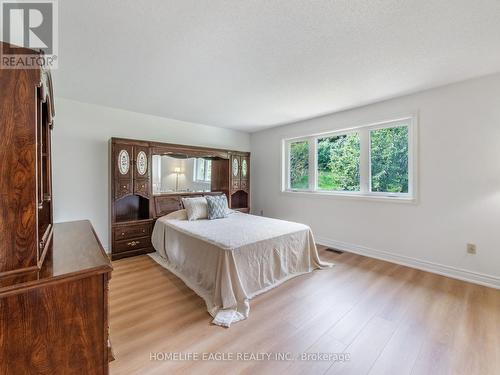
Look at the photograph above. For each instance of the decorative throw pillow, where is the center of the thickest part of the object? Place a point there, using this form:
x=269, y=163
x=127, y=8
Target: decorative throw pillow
x=196, y=208
x=177, y=215
x=217, y=207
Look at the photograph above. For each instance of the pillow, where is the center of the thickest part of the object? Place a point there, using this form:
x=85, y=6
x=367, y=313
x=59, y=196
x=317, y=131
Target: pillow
x=196, y=208
x=177, y=215
x=217, y=207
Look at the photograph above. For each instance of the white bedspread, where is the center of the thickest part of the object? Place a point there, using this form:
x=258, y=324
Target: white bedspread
x=229, y=261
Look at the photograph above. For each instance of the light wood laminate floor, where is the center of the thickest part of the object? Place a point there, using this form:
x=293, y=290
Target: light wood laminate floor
x=389, y=318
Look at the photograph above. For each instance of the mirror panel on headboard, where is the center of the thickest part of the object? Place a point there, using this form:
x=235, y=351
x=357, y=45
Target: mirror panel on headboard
x=176, y=174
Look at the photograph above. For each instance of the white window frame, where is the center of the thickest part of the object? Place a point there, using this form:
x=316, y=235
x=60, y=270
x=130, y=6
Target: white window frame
x=364, y=132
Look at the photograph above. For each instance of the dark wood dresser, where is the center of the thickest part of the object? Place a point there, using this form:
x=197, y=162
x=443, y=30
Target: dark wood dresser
x=55, y=320
x=53, y=278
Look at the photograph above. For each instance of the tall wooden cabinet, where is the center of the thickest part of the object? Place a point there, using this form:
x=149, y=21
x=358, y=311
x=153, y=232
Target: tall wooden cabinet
x=131, y=219
x=53, y=278
x=239, y=197
x=26, y=224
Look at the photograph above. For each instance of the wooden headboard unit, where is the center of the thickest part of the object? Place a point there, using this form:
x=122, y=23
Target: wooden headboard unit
x=167, y=203
x=134, y=207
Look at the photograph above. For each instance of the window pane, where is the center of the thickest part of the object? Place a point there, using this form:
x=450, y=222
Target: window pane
x=338, y=162
x=389, y=160
x=200, y=169
x=299, y=165
x=208, y=170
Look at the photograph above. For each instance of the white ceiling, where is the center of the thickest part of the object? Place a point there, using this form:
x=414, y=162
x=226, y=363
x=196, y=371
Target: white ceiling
x=252, y=64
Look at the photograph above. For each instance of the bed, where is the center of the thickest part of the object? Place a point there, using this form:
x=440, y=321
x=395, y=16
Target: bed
x=229, y=261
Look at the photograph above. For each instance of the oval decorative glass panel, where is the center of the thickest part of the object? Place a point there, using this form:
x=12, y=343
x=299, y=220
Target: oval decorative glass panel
x=142, y=163
x=235, y=166
x=123, y=162
x=244, y=167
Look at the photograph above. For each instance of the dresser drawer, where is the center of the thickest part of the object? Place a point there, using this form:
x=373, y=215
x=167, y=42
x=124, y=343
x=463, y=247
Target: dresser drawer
x=131, y=244
x=141, y=187
x=132, y=231
x=244, y=184
x=236, y=184
x=122, y=188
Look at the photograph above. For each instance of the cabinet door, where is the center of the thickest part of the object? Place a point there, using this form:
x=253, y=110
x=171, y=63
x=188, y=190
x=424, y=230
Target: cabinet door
x=141, y=171
x=123, y=169
x=141, y=161
x=123, y=161
x=235, y=172
x=39, y=167
x=245, y=168
x=48, y=164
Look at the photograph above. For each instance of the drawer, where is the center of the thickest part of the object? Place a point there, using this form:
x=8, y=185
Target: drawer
x=131, y=244
x=132, y=231
x=244, y=184
x=141, y=187
x=122, y=188
x=132, y=253
x=236, y=184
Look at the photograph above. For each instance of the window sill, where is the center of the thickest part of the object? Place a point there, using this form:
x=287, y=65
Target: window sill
x=341, y=195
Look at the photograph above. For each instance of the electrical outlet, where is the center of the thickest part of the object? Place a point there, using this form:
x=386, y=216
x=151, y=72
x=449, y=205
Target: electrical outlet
x=471, y=248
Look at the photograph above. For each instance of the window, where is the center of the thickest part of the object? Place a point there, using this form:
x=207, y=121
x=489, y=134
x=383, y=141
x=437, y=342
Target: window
x=373, y=160
x=299, y=165
x=338, y=162
x=389, y=160
x=202, y=170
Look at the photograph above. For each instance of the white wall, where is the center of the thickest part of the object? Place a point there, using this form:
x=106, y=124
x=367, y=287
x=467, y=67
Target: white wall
x=459, y=184
x=80, y=154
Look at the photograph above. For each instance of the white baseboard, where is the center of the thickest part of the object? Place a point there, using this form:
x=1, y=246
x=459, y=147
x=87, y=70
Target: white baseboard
x=440, y=269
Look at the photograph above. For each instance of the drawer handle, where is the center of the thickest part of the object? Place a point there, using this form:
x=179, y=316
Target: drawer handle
x=133, y=243
x=123, y=233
